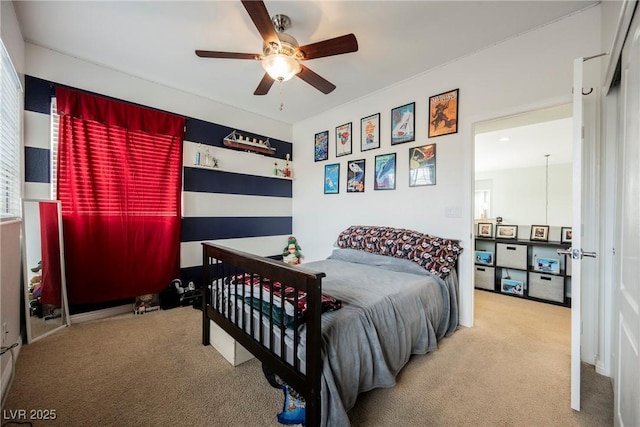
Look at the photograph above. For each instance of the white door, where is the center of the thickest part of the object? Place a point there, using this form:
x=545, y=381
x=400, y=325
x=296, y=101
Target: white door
x=627, y=386
x=576, y=266
x=581, y=190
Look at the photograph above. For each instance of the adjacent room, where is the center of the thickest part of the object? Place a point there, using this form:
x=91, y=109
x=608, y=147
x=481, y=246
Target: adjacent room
x=320, y=213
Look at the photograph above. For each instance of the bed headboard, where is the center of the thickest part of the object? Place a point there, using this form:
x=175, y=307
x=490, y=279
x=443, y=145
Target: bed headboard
x=436, y=254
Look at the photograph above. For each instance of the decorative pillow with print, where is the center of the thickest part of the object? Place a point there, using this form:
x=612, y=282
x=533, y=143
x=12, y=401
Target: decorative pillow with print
x=435, y=254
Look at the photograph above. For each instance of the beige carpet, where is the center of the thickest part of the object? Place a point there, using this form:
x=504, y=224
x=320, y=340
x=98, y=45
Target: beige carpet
x=511, y=369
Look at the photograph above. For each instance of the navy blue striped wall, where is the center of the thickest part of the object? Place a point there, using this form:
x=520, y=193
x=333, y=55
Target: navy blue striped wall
x=215, y=181
x=38, y=93
x=39, y=164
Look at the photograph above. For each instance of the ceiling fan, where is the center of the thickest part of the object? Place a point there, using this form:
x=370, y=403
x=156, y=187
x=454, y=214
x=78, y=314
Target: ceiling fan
x=281, y=54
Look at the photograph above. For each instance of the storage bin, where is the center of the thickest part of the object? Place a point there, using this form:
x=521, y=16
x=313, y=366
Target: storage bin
x=547, y=287
x=485, y=277
x=511, y=256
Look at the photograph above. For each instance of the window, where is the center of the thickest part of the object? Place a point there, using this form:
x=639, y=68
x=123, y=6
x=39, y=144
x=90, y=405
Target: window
x=119, y=180
x=55, y=125
x=482, y=204
x=10, y=95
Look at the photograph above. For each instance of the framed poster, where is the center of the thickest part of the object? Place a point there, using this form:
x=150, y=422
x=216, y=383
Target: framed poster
x=485, y=229
x=484, y=257
x=506, y=232
x=355, y=176
x=370, y=132
x=509, y=286
x=539, y=232
x=343, y=139
x=443, y=113
x=422, y=165
x=385, y=172
x=332, y=178
x=321, y=143
x=547, y=265
x=402, y=124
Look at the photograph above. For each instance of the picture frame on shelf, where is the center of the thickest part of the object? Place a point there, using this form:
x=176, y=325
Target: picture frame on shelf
x=485, y=229
x=484, y=257
x=385, y=172
x=332, y=178
x=509, y=286
x=547, y=265
x=355, y=176
x=422, y=165
x=321, y=146
x=539, y=233
x=566, y=234
x=443, y=113
x=344, y=140
x=507, y=232
x=403, y=124
x=370, y=132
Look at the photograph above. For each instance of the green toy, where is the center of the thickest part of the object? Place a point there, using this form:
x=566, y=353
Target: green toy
x=291, y=253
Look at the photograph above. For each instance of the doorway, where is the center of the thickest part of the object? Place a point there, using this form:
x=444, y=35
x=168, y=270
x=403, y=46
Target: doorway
x=523, y=170
x=523, y=177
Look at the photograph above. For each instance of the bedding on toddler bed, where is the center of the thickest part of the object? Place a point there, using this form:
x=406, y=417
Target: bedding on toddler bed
x=260, y=291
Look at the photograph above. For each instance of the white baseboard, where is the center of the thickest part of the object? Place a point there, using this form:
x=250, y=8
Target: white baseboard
x=101, y=314
x=7, y=370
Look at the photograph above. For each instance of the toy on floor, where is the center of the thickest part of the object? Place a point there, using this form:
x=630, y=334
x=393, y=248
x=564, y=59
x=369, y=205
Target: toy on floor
x=186, y=294
x=146, y=303
x=291, y=253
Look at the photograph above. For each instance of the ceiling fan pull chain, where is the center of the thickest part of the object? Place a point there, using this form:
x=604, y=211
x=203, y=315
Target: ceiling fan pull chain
x=281, y=100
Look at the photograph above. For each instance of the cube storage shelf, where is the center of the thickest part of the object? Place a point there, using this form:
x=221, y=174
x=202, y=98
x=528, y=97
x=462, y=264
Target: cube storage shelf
x=524, y=268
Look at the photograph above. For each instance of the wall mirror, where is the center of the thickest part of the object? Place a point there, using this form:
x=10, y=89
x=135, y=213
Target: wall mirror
x=523, y=169
x=47, y=309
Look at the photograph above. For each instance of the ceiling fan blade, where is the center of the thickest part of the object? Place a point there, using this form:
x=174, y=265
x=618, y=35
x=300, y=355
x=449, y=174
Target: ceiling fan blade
x=261, y=19
x=330, y=47
x=264, y=85
x=226, y=55
x=320, y=83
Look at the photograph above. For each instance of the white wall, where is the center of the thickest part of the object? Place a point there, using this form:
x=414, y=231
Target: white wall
x=518, y=195
x=50, y=65
x=10, y=285
x=521, y=74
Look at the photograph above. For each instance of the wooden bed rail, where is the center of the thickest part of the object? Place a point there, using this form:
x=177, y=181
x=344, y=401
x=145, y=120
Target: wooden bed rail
x=220, y=263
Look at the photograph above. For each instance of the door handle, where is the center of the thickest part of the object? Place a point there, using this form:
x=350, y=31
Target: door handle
x=576, y=253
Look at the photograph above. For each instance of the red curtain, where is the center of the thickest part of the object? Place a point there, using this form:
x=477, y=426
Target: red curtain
x=50, y=247
x=119, y=181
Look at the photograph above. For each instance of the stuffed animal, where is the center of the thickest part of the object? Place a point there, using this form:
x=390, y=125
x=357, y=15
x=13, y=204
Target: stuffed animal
x=291, y=253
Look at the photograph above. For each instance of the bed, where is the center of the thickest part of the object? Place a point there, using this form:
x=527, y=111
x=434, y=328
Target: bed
x=335, y=328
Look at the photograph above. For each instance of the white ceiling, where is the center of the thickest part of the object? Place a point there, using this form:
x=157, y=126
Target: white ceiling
x=156, y=40
x=524, y=140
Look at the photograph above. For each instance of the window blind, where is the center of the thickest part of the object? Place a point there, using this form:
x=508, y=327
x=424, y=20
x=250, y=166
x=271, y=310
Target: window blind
x=55, y=126
x=10, y=92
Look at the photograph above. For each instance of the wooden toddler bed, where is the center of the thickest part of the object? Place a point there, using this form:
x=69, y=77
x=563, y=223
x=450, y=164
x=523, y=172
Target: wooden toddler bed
x=334, y=328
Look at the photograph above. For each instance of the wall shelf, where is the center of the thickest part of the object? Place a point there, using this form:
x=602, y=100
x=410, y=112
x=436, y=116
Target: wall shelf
x=235, y=140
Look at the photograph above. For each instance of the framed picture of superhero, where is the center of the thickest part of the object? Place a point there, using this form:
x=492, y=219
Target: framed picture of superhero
x=443, y=113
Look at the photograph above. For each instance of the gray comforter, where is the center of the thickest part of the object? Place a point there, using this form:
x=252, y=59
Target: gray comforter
x=393, y=308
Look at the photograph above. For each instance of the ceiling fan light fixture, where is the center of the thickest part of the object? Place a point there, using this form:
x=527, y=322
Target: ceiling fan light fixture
x=280, y=67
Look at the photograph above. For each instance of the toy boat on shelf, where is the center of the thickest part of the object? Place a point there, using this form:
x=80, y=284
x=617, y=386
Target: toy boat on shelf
x=235, y=140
